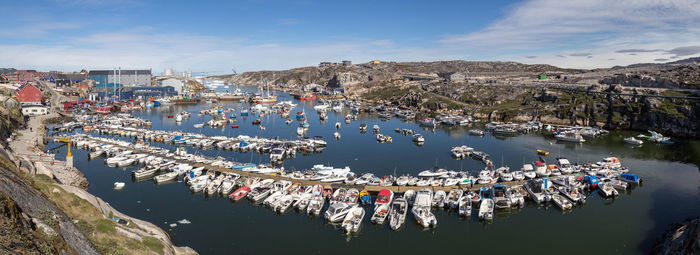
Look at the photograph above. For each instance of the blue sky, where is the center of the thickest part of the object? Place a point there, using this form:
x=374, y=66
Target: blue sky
x=218, y=36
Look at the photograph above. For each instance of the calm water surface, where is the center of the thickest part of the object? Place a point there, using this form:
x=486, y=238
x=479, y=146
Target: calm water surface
x=628, y=224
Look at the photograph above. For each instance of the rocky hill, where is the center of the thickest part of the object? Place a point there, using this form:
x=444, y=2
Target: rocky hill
x=373, y=74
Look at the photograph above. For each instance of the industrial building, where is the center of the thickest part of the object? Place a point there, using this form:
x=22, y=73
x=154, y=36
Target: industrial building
x=129, y=78
x=453, y=76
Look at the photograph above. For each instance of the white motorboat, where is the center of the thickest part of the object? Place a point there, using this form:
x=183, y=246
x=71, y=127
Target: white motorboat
x=529, y=171
x=284, y=203
x=165, y=177
x=439, y=199
x=454, y=197
x=145, y=172
x=606, y=190
x=200, y=125
x=631, y=140
x=562, y=202
x=410, y=196
x=465, y=206
x=336, y=212
x=272, y=199
x=518, y=175
x=433, y=173
x=516, y=196
x=397, y=215
x=418, y=138
x=96, y=154
x=258, y=193
x=535, y=190
x=541, y=169
x=486, y=209
x=315, y=205
x=572, y=193
x=380, y=214
x=353, y=219
x=564, y=166
x=421, y=208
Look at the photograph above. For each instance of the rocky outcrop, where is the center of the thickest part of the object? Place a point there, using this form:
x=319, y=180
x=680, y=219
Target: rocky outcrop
x=144, y=228
x=682, y=239
x=32, y=202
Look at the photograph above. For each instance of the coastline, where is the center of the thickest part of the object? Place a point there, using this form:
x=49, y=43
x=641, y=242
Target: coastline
x=25, y=155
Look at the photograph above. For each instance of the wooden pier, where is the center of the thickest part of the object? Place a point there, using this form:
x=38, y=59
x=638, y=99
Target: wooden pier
x=369, y=188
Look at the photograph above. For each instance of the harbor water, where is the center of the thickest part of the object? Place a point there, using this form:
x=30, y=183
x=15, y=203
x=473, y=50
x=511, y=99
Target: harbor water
x=628, y=224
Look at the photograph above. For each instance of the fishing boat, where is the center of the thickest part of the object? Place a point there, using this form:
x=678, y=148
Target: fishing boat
x=353, y=219
x=397, y=215
x=486, y=209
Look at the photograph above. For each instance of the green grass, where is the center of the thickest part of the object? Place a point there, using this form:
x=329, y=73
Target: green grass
x=153, y=244
x=105, y=226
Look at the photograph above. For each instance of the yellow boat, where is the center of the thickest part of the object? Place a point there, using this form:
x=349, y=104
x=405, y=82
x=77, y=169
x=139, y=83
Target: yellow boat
x=543, y=152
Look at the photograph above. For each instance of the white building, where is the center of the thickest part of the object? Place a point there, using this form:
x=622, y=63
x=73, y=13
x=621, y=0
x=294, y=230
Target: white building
x=34, y=110
x=175, y=83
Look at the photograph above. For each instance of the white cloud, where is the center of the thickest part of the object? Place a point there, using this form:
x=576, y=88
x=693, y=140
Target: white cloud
x=142, y=48
x=600, y=27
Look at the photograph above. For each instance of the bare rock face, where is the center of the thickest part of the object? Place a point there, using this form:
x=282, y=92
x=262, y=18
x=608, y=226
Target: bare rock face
x=682, y=239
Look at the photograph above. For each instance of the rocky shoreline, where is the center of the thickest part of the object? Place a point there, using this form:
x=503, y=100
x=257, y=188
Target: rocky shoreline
x=34, y=169
x=683, y=239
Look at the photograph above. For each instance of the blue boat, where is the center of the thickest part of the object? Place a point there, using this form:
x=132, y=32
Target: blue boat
x=243, y=166
x=180, y=139
x=484, y=193
x=156, y=103
x=366, y=199
x=591, y=181
x=627, y=177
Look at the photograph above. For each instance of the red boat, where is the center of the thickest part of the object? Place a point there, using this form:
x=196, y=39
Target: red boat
x=171, y=116
x=384, y=197
x=234, y=126
x=239, y=193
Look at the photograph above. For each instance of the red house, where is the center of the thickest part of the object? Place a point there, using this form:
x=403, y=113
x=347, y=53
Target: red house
x=28, y=94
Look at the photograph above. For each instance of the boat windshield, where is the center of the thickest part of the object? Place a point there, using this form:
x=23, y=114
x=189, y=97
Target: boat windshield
x=382, y=198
